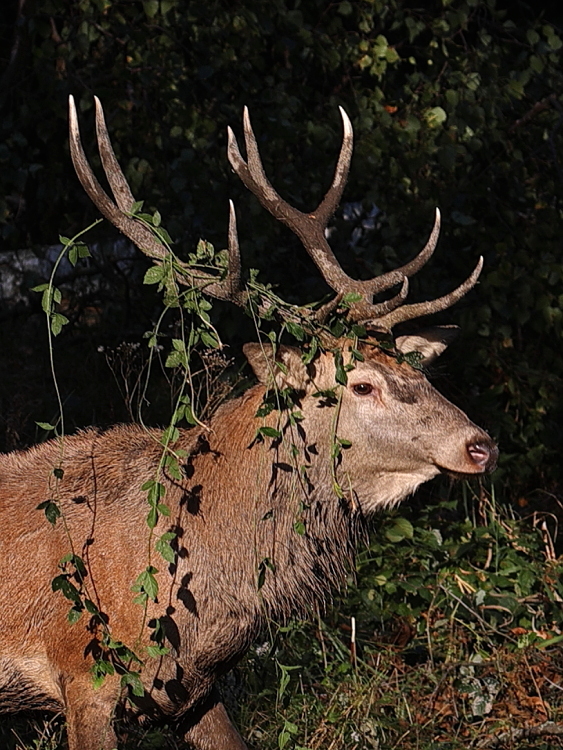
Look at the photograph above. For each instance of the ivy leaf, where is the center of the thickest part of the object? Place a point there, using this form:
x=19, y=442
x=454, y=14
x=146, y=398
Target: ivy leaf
x=52, y=511
x=164, y=548
x=154, y=275
x=133, y=680
x=270, y=432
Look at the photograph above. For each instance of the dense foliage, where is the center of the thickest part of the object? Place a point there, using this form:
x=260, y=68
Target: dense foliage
x=454, y=103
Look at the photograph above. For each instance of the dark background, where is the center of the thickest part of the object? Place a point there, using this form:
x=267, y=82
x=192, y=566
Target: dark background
x=457, y=106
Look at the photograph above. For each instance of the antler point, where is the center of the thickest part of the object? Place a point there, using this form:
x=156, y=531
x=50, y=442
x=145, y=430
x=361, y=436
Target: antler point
x=346, y=122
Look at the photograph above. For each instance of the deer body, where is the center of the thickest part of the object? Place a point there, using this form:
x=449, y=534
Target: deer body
x=236, y=507
x=262, y=528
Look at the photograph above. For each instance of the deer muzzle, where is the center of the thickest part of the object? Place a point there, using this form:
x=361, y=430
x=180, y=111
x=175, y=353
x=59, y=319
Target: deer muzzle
x=483, y=453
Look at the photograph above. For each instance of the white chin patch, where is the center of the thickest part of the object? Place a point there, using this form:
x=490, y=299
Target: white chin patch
x=388, y=490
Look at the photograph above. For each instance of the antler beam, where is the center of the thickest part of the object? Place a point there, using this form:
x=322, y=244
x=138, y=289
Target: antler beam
x=310, y=228
x=120, y=213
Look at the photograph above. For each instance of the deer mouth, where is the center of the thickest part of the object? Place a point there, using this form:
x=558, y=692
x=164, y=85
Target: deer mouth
x=479, y=457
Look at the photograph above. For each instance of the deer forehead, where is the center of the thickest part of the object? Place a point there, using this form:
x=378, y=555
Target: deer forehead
x=377, y=368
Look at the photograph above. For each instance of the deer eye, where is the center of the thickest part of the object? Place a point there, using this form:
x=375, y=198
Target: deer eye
x=362, y=389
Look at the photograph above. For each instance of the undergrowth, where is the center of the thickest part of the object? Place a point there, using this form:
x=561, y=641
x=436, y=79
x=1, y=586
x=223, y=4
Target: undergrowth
x=457, y=613
x=447, y=635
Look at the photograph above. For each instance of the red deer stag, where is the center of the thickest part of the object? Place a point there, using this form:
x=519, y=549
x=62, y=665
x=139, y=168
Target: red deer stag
x=236, y=505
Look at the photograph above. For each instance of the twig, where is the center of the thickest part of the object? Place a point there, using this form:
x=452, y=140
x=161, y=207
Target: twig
x=531, y=113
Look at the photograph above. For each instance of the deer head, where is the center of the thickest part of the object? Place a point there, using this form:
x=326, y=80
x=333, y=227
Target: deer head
x=403, y=432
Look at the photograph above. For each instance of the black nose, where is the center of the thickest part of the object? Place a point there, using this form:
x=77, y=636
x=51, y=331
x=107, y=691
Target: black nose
x=484, y=454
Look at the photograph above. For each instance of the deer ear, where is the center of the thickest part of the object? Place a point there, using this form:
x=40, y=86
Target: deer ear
x=285, y=370
x=430, y=343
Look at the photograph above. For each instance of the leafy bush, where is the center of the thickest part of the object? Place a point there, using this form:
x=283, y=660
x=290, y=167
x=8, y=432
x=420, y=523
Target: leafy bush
x=453, y=105
x=457, y=604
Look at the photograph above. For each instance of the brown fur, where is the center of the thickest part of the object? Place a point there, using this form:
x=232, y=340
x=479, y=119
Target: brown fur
x=235, y=508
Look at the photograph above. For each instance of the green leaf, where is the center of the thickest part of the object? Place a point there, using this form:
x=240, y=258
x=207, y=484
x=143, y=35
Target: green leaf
x=401, y=529
x=45, y=426
x=405, y=527
x=152, y=517
x=435, y=117
x=74, y=614
x=52, y=511
x=154, y=275
x=164, y=548
x=209, y=339
x=61, y=583
x=170, y=435
x=270, y=432
x=340, y=375
x=176, y=359
x=265, y=565
x=146, y=583
x=99, y=670
x=133, y=679
x=295, y=330
x=156, y=490
x=349, y=298
x=91, y=607
x=173, y=467
x=308, y=357
x=284, y=682
x=151, y=9
x=189, y=415
x=57, y=323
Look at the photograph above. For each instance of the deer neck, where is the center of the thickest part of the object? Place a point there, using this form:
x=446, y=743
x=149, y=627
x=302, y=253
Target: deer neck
x=275, y=524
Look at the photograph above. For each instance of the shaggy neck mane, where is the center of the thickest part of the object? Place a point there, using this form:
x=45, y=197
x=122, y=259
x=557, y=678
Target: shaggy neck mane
x=276, y=509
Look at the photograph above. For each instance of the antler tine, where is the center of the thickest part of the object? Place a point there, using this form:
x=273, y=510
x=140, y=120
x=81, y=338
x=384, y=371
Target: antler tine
x=232, y=282
x=387, y=280
x=332, y=198
x=308, y=227
x=131, y=228
x=225, y=289
x=362, y=311
x=119, y=185
x=408, y=312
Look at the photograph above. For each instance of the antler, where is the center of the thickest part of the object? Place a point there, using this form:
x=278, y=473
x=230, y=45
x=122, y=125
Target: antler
x=121, y=215
x=310, y=228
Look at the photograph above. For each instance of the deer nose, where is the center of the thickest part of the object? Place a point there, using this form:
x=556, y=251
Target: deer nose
x=484, y=454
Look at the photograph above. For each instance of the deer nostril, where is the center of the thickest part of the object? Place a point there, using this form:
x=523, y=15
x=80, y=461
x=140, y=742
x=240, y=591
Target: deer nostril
x=480, y=454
